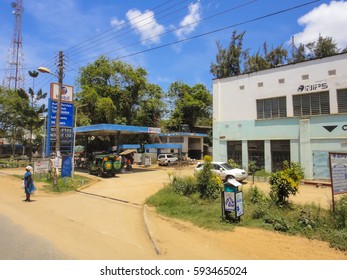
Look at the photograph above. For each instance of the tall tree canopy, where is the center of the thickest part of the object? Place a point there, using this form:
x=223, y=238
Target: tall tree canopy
x=20, y=114
x=117, y=93
x=229, y=61
x=190, y=105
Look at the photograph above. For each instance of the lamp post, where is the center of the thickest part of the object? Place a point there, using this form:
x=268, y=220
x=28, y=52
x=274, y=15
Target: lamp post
x=74, y=140
x=44, y=117
x=34, y=75
x=60, y=76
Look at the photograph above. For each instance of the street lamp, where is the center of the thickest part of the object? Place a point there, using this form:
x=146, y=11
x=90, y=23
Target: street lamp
x=74, y=139
x=57, y=119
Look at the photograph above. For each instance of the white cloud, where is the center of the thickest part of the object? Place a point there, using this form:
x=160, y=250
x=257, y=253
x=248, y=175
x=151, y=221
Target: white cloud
x=118, y=24
x=146, y=25
x=190, y=21
x=327, y=21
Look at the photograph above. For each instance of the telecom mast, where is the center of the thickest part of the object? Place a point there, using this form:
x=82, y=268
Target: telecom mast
x=14, y=78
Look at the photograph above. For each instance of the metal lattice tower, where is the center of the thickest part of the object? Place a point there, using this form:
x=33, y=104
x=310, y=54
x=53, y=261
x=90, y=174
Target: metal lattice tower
x=14, y=78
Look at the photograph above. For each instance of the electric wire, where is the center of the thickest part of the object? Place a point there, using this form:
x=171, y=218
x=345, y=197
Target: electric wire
x=213, y=31
x=97, y=39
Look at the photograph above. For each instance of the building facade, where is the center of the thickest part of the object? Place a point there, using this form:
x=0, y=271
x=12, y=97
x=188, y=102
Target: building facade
x=296, y=112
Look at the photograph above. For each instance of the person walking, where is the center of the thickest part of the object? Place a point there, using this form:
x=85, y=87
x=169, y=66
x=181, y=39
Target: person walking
x=29, y=187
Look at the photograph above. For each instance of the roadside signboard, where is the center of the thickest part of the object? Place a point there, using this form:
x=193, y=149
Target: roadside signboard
x=338, y=173
x=41, y=166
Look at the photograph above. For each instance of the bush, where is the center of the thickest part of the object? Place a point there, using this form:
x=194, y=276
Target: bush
x=285, y=182
x=256, y=196
x=232, y=163
x=208, y=184
x=340, y=213
x=184, y=185
x=262, y=173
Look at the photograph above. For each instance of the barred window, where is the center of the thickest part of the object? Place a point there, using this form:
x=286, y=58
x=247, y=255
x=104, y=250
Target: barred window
x=342, y=100
x=272, y=108
x=311, y=104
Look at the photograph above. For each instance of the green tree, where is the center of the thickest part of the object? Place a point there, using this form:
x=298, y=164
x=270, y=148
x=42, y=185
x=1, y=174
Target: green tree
x=256, y=63
x=299, y=54
x=286, y=182
x=33, y=122
x=116, y=92
x=229, y=60
x=276, y=56
x=208, y=183
x=189, y=105
x=20, y=116
x=322, y=47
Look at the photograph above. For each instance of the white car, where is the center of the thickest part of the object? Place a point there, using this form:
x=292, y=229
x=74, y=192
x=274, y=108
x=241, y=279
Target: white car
x=225, y=172
x=167, y=159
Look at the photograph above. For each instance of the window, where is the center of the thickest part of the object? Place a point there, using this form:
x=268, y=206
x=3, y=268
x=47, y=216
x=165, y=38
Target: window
x=342, y=100
x=272, y=108
x=311, y=104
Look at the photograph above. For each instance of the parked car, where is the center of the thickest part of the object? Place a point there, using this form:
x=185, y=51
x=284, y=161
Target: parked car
x=105, y=165
x=225, y=172
x=167, y=159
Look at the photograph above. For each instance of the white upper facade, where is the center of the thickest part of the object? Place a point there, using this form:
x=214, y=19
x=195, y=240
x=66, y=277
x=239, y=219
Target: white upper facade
x=235, y=98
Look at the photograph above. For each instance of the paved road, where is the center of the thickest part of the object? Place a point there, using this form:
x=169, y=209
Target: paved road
x=17, y=244
x=107, y=221
x=104, y=221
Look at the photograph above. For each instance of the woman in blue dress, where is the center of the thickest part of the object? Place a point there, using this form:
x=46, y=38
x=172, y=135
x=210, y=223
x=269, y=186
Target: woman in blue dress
x=29, y=187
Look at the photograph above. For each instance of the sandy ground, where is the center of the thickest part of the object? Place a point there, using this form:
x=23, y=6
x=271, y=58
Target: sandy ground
x=109, y=220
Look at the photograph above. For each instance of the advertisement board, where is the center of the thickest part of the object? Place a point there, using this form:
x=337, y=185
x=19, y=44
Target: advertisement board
x=67, y=93
x=41, y=166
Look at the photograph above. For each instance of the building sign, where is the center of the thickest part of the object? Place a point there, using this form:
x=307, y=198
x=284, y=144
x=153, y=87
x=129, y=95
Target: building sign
x=66, y=93
x=154, y=130
x=313, y=87
x=338, y=171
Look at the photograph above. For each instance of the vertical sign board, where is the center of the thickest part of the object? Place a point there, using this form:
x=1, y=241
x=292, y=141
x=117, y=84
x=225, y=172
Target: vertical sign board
x=66, y=119
x=233, y=202
x=338, y=173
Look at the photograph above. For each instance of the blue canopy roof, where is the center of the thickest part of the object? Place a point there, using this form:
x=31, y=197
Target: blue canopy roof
x=113, y=129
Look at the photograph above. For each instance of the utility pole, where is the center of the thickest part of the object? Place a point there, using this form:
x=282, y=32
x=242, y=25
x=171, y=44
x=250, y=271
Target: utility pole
x=60, y=76
x=60, y=87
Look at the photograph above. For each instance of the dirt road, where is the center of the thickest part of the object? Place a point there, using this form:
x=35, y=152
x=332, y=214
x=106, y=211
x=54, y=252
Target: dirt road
x=108, y=220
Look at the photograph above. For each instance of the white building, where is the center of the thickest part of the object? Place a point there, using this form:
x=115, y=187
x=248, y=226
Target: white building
x=296, y=112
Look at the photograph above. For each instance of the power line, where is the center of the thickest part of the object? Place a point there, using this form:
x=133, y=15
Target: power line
x=178, y=28
x=214, y=31
x=124, y=33
x=96, y=38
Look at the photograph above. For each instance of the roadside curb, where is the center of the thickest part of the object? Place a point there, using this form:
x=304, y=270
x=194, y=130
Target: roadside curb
x=148, y=230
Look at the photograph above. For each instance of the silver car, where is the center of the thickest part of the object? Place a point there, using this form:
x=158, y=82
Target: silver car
x=167, y=159
x=225, y=172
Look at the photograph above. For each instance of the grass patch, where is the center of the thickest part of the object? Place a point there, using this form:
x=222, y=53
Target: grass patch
x=307, y=220
x=63, y=184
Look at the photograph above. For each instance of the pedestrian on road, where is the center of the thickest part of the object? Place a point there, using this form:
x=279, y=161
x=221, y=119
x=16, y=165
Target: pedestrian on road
x=29, y=187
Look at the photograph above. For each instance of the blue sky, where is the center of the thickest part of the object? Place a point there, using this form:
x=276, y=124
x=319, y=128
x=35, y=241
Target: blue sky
x=144, y=33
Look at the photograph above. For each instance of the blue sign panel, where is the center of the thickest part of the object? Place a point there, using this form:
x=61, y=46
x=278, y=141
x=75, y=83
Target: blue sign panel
x=66, y=166
x=66, y=127
x=66, y=114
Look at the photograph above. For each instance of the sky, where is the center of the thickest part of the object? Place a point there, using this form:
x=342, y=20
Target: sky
x=174, y=40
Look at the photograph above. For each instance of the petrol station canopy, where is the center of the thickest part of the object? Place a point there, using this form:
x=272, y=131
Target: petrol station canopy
x=114, y=130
